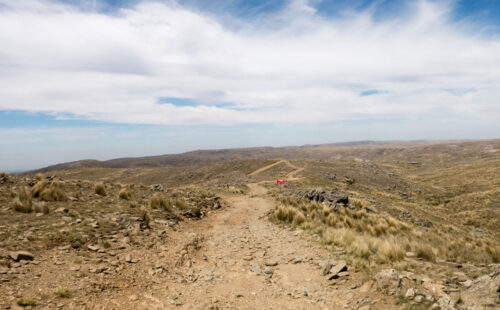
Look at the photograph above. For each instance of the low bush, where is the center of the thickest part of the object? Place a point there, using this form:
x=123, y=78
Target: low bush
x=23, y=203
x=125, y=194
x=53, y=192
x=159, y=202
x=100, y=189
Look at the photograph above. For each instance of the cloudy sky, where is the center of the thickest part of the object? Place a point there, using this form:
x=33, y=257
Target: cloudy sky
x=108, y=78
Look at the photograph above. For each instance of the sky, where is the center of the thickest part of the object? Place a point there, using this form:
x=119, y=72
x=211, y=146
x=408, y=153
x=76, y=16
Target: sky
x=104, y=79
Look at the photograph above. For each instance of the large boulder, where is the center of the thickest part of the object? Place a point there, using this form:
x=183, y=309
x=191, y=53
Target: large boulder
x=333, y=197
x=484, y=292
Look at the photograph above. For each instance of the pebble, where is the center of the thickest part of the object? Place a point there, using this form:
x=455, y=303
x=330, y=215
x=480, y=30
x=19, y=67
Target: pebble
x=93, y=248
x=268, y=270
x=273, y=262
x=255, y=268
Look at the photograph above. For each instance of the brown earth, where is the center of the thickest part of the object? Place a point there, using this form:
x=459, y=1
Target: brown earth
x=218, y=262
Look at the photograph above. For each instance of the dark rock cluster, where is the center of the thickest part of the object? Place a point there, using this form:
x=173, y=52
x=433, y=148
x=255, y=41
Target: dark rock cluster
x=335, y=197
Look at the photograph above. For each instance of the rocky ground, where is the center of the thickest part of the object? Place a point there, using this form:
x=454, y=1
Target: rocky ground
x=232, y=259
x=203, y=251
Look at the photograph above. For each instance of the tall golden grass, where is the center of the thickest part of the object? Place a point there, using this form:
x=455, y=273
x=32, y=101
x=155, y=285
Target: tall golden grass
x=378, y=238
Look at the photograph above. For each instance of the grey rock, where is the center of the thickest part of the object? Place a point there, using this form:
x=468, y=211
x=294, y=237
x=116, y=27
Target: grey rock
x=423, y=223
x=93, y=248
x=326, y=265
x=341, y=266
x=404, y=215
x=268, y=270
x=467, y=283
x=483, y=291
x=349, y=181
x=297, y=260
x=333, y=197
x=21, y=255
x=410, y=293
x=255, y=268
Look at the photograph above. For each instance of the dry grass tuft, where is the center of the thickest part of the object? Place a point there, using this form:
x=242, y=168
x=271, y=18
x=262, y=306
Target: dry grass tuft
x=26, y=302
x=145, y=217
x=48, y=191
x=41, y=207
x=179, y=204
x=37, y=190
x=4, y=176
x=425, y=251
x=125, y=194
x=53, y=193
x=391, y=250
x=62, y=292
x=22, y=202
x=100, y=189
x=286, y=214
x=159, y=202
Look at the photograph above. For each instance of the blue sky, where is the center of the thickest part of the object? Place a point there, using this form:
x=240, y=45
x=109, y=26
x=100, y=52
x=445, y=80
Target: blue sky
x=107, y=79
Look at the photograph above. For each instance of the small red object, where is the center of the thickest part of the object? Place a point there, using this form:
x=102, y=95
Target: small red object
x=280, y=181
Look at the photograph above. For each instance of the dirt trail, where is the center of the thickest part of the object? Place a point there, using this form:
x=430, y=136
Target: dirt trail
x=234, y=258
x=283, y=161
x=289, y=177
x=229, y=270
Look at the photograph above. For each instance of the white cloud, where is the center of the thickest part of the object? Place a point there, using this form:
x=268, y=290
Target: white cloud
x=293, y=66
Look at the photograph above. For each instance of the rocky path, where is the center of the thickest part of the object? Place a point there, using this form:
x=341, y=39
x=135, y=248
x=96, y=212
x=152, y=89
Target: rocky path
x=234, y=258
x=246, y=262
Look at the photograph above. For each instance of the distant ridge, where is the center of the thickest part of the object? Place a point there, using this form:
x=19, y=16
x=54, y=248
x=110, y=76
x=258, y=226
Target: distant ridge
x=332, y=151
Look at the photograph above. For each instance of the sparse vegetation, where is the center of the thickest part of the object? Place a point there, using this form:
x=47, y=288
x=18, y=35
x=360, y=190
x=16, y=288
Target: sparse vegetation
x=366, y=236
x=26, y=302
x=4, y=177
x=145, y=217
x=22, y=202
x=74, y=238
x=37, y=190
x=159, y=202
x=62, y=292
x=41, y=207
x=54, y=192
x=179, y=204
x=100, y=189
x=48, y=191
x=125, y=194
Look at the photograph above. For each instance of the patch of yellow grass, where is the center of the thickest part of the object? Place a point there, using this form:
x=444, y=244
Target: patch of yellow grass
x=100, y=189
x=159, y=202
x=125, y=194
x=54, y=192
x=145, y=216
x=22, y=202
x=62, y=292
